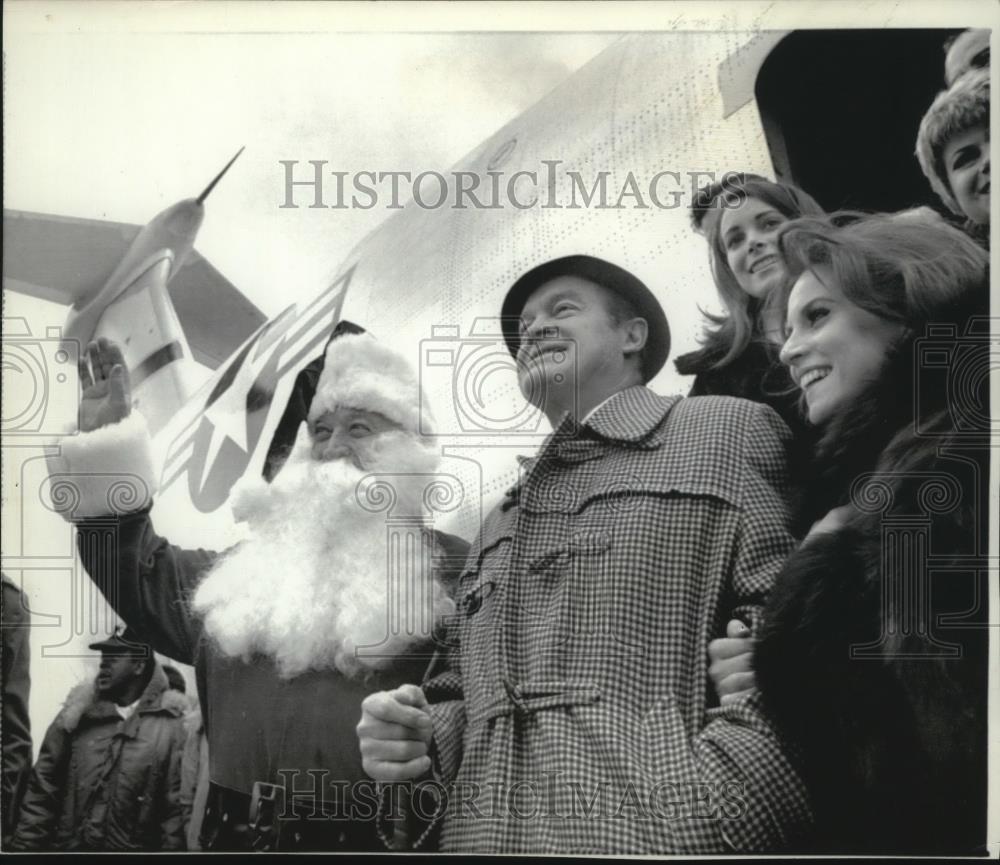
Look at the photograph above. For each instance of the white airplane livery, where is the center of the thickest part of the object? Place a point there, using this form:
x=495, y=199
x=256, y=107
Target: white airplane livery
x=605, y=164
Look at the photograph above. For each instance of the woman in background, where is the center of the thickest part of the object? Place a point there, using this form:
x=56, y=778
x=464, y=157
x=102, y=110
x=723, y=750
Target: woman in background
x=856, y=660
x=970, y=49
x=740, y=216
x=953, y=148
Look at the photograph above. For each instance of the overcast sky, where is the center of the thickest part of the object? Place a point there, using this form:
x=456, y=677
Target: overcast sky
x=117, y=110
x=119, y=126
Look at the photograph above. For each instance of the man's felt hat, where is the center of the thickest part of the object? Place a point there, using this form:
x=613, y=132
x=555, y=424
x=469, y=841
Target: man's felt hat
x=605, y=274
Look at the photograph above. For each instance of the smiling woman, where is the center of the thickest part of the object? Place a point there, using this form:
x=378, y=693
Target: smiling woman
x=834, y=349
x=740, y=216
x=747, y=234
x=894, y=749
x=953, y=146
x=967, y=166
x=860, y=292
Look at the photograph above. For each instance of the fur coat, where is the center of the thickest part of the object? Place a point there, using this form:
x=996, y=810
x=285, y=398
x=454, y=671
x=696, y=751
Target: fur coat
x=873, y=656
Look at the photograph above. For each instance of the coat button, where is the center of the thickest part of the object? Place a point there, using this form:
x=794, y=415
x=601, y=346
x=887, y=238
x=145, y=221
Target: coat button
x=474, y=600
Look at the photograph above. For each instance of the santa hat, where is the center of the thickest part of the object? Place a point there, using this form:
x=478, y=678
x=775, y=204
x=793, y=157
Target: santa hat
x=360, y=372
x=363, y=374
x=965, y=105
x=286, y=434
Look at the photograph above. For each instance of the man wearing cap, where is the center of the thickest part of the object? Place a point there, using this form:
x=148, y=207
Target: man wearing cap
x=573, y=713
x=108, y=774
x=287, y=631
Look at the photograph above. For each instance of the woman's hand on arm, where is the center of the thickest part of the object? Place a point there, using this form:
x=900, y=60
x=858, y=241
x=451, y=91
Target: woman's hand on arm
x=731, y=663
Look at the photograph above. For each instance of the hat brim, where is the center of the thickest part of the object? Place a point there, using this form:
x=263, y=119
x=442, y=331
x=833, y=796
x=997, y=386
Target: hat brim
x=605, y=274
x=125, y=644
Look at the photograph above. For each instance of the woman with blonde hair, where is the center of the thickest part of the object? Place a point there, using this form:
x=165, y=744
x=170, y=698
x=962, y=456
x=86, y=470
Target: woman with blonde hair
x=953, y=148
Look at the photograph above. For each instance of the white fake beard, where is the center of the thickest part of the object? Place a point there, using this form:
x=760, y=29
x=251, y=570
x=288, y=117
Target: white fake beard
x=310, y=586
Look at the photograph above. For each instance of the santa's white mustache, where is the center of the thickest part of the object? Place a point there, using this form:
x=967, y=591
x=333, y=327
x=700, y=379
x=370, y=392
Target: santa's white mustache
x=314, y=582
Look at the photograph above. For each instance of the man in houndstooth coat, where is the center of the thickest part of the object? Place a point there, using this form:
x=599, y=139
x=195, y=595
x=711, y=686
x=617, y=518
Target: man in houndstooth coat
x=571, y=711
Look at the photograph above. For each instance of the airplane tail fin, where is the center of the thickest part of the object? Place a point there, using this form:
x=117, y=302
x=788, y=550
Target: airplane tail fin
x=143, y=321
x=163, y=316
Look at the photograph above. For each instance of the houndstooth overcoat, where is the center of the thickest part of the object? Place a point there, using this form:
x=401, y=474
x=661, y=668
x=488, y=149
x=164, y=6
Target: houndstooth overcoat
x=572, y=711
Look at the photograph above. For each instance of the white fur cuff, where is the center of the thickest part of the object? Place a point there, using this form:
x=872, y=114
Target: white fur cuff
x=105, y=472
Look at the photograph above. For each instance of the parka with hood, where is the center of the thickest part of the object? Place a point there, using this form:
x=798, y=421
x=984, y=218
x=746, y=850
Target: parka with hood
x=103, y=783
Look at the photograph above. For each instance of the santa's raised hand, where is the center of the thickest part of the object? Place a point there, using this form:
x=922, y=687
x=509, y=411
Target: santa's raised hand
x=106, y=389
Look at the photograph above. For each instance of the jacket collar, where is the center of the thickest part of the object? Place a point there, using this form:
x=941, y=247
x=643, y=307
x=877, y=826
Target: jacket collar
x=156, y=688
x=632, y=417
x=85, y=704
x=628, y=416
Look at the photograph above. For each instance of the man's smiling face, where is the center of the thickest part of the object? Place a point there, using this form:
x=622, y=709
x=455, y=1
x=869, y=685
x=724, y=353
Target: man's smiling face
x=569, y=342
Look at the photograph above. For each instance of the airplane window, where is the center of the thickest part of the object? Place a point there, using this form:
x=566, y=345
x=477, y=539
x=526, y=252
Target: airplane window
x=841, y=109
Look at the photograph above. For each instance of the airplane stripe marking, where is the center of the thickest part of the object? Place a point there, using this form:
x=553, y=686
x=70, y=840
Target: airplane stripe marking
x=316, y=311
x=171, y=471
x=326, y=323
x=156, y=361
